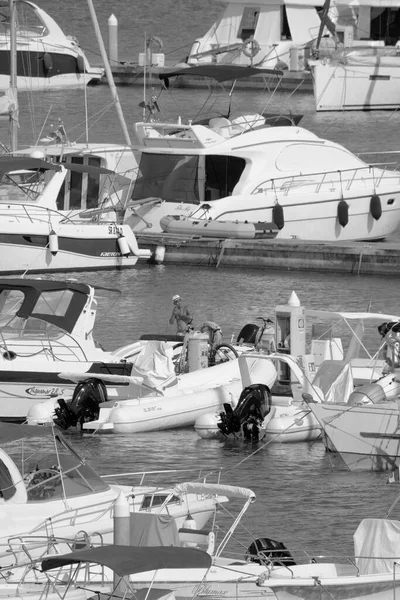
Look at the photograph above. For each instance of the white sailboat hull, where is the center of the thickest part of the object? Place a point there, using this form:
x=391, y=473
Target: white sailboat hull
x=358, y=87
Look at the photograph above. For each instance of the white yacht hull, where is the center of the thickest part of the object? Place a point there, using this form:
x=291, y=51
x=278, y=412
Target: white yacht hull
x=57, y=82
x=347, y=87
x=25, y=246
x=366, y=437
x=311, y=215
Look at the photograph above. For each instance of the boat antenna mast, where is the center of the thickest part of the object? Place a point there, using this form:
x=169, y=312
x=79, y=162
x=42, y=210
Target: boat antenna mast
x=108, y=71
x=13, y=78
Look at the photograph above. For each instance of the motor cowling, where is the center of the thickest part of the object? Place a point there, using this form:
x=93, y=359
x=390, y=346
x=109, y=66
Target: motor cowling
x=266, y=551
x=253, y=406
x=84, y=406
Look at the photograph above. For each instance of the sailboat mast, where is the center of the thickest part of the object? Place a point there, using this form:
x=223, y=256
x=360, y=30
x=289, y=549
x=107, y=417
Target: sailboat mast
x=109, y=74
x=13, y=75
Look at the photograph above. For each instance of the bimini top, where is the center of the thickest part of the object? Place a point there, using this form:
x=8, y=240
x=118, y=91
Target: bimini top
x=128, y=560
x=17, y=163
x=57, y=302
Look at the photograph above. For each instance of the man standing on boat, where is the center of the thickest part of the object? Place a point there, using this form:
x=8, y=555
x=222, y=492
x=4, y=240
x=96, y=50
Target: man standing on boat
x=181, y=315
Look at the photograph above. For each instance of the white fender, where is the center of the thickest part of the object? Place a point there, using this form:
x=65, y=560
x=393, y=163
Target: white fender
x=123, y=245
x=53, y=242
x=136, y=251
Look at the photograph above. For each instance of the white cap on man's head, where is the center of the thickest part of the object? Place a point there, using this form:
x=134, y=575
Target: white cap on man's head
x=176, y=297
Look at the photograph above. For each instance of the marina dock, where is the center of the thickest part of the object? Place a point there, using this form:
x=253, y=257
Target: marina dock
x=358, y=258
x=133, y=74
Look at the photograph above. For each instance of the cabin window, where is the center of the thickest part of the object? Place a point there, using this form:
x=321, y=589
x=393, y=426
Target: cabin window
x=248, y=23
x=75, y=185
x=222, y=175
x=93, y=183
x=152, y=500
x=174, y=178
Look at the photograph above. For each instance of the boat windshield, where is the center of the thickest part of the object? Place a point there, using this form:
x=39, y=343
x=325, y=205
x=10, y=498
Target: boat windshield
x=29, y=24
x=50, y=303
x=23, y=186
x=51, y=470
x=186, y=178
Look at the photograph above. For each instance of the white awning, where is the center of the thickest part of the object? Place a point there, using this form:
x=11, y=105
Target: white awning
x=231, y=491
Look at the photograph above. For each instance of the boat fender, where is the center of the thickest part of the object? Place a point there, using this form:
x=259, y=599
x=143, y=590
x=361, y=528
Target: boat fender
x=47, y=63
x=343, y=212
x=80, y=64
x=251, y=47
x=53, y=242
x=123, y=245
x=277, y=216
x=189, y=523
x=375, y=207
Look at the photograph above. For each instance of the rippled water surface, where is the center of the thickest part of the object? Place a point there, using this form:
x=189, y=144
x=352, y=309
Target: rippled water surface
x=301, y=499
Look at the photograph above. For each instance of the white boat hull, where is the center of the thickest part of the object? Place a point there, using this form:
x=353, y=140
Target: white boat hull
x=367, y=437
x=49, y=84
x=25, y=246
x=358, y=87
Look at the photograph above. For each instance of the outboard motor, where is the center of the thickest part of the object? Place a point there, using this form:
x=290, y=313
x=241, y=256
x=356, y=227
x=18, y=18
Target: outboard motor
x=253, y=406
x=265, y=551
x=84, y=406
x=248, y=334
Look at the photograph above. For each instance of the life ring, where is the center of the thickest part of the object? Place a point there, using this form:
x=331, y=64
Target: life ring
x=375, y=207
x=277, y=215
x=157, y=42
x=343, y=212
x=251, y=47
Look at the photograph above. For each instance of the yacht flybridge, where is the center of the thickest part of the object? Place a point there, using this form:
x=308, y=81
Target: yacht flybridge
x=237, y=169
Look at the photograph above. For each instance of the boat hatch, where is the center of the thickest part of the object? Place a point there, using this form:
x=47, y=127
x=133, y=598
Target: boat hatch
x=186, y=178
x=153, y=500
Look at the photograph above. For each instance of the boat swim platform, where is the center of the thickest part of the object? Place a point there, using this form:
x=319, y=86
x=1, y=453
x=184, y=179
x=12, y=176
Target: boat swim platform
x=358, y=258
x=133, y=74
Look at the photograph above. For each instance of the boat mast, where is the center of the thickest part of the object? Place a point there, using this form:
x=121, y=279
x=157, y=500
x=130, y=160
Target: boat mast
x=109, y=75
x=13, y=76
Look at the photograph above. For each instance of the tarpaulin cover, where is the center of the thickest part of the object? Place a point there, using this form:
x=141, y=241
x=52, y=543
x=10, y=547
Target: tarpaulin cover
x=377, y=546
x=335, y=379
x=154, y=363
x=150, y=529
x=127, y=560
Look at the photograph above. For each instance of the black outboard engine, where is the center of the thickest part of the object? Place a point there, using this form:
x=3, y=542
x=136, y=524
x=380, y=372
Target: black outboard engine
x=84, y=406
x=265, y=551
x=253, y=406
x=248, y=334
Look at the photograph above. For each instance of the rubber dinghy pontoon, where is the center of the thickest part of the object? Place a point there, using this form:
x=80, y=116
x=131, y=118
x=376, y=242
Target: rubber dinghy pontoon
x=215, y=228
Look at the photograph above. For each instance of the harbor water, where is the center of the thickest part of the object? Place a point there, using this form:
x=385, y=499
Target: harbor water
x=301, y=499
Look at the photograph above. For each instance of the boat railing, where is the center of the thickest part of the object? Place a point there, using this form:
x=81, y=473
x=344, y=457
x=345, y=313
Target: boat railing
x=41, y=342
x=34, y=213
x=328, y=180
x=202, y=477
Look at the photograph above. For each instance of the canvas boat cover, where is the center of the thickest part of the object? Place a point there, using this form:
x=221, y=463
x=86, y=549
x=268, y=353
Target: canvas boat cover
x=128, y=560
x=335, y=379
x=231, y=491
x=154, y=363
x=377, y=546
x=151, y=529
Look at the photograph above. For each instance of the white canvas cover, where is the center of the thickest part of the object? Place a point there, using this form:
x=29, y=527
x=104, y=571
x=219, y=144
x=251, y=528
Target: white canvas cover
x=335, y=379
x=154, y=363
x=377, y=546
